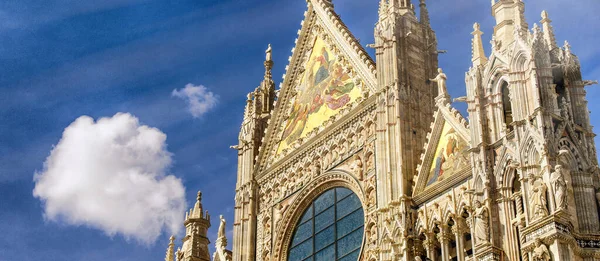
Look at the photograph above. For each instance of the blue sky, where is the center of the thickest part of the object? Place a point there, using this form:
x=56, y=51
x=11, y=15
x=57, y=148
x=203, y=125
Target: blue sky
x=63, y=59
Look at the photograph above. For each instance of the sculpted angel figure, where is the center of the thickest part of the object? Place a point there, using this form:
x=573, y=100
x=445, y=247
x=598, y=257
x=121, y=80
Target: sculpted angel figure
x=441, y=79
x=179, y=254
x=541, y=252
x=221, y=227
x=560, y=187
x=357, y=167
x=269, y=53
x=482, y=225
x=538, y=197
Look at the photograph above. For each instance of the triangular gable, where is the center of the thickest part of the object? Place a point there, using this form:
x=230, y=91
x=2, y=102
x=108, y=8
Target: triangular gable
x=446, y=159
x=328, y=71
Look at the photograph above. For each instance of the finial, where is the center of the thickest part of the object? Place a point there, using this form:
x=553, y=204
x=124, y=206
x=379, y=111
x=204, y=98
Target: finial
x=536, y=28
x=478, y=54
x=199, y=198
x=424, y=13
x=548, y=31
x=567, y=47
x=170, y=256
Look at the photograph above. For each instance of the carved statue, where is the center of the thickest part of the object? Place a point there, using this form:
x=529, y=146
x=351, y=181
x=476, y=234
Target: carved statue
x=540, y=253
x=372, y=198
x=269, y=53
x=179, y=254
x=538, y=197
x=279, y=214
x=221, y=227
x=370, y=161
x=373, y=237
x=441, y=79
x=560, y=187
x=482, y=223
x=315, y=169
x=357, y=167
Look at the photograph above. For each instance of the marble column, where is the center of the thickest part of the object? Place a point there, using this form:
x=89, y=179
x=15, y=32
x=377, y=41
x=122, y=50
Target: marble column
x=458, y=230
x=444, y=239
x=429, y=245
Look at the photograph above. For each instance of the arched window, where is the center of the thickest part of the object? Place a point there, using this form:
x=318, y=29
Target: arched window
x=507, y=105
x=330, y=229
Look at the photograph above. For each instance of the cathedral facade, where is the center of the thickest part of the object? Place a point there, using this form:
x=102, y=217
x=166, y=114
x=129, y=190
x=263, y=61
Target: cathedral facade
x=361, y=159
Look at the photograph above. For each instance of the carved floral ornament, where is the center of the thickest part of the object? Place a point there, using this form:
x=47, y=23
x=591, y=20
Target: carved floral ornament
x=294, y=211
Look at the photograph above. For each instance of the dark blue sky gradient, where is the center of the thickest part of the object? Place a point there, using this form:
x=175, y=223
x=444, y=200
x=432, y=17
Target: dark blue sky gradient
x=61, y=59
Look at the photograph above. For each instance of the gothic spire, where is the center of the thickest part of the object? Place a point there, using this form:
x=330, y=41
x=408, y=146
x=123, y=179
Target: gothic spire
x=520, y=16
x=266, y=93
x=268, y=62
x=171, y=250
x=479, y=57
x=548, y=31
x=195, y=242
x=196, y=212
x=424, y=13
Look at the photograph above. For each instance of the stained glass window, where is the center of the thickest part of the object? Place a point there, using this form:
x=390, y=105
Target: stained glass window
x=331, y=229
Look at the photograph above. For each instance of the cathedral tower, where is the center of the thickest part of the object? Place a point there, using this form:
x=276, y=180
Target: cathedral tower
x=528, y=147
x=259, y=105
x=195, y=242
x=406, y=52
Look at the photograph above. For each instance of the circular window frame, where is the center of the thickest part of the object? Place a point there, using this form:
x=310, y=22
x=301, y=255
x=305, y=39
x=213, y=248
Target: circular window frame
x=306, y=196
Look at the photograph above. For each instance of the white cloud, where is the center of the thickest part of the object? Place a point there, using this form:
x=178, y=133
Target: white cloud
x=112, y=175
x=200, y=100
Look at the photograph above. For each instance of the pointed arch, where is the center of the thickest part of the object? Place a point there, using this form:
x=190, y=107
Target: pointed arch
x=574, y=159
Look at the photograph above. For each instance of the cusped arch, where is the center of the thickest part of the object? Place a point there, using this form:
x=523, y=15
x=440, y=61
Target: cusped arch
x=519, y=60
x=506, y=159
x=495, y=74
x=531, y=152
x=449, y=213
x=497, y=83
x=573, y=157
x=509, y=175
